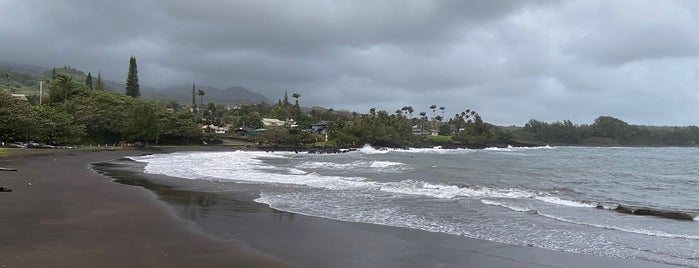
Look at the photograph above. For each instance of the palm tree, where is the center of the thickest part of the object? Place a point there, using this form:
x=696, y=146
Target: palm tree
x=200, y=93
x=296, y=96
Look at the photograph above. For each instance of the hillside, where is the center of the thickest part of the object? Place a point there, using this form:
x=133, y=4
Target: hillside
x=183, y=95
x=24, y=79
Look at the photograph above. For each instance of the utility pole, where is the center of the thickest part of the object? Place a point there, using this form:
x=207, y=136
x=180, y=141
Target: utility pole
x=41, y=91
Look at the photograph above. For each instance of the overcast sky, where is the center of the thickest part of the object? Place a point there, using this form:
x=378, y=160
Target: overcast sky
x=509, y=60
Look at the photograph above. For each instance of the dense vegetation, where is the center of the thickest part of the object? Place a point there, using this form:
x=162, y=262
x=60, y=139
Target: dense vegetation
x=83, y=113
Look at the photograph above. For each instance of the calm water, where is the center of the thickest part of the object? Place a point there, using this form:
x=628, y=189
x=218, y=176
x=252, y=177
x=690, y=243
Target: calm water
x=559, y=198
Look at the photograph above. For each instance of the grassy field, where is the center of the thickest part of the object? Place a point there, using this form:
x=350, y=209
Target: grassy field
x=438, y=138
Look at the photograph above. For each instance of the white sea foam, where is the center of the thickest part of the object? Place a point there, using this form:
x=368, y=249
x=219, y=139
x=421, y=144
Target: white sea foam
x=622, y=228
x=383, y=164
x=511, y=207
x=560, y=201
x=367, y=149
x=247, y=166
x=510, y=148
x=374, y=165
x=436, y=151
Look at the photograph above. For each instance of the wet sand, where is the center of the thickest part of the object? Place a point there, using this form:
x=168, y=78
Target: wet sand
x=72, y=217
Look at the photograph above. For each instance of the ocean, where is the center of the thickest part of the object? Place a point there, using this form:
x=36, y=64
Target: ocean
x=569, y=199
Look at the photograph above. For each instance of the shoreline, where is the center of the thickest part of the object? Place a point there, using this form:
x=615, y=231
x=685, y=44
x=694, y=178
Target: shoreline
x=54, y=231
x=322, y=242
x=63, y=214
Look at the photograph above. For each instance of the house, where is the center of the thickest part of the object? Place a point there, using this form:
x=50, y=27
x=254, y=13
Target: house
x=320, y=127
x=216, y=129
x=419, y=130
x=272, y=122
x=20, y=97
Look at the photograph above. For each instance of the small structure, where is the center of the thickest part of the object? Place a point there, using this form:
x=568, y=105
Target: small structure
x=216, y=129
x=419, y=130
x=320, y=127
x=20, y=97
x=272, y=122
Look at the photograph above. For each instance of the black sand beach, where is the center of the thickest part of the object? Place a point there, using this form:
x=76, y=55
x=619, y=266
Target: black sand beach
x=72, y=217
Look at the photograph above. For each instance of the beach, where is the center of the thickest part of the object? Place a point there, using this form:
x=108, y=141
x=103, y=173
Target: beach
x=63, y=214
x=71, y=216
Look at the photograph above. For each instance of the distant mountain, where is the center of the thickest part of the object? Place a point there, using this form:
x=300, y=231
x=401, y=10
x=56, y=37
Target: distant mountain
x=183, y=95
x=25, y=79
x=24, y=68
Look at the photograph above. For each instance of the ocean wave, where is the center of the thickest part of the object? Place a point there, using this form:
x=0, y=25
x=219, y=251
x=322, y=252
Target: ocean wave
x=621, y=228
x=374, y=165
x=438, y=150
x=383, y=164
x=368, y=149
x=559, y=201
x=508, y=206
x=510, y=148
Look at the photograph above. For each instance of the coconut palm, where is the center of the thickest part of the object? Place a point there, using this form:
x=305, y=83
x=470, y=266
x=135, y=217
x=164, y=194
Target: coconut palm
x=200, y=93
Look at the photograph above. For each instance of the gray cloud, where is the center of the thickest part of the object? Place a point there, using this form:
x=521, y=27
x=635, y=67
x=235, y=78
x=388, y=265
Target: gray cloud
x=509, y=60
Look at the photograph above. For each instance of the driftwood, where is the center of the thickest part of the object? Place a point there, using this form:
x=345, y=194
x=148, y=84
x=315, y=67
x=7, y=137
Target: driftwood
x=7, y=169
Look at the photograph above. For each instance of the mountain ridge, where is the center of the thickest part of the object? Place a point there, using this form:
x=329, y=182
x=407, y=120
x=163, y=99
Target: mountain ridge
x=182, y=94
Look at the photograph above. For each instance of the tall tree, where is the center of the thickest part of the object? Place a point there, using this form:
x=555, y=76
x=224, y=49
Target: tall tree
x=100, y=84
x=88, y=80
x=7, y=76
x=194, y=102
x=286, y=97
x=132, y=88
x=200, y=93
x=296, y=96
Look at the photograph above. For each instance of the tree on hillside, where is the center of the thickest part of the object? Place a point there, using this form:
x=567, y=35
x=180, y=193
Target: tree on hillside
x=88, y=80
x=132, y=88
x=100, y=84
x=194, y=99
x=63, y=88
x=279, y=112
x=286, y=97
x=201, y=93
x=296, y=96
x=296, y=112
x=7, y=76
x=434, y=109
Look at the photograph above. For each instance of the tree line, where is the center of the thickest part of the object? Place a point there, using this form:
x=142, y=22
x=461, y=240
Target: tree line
x=80, y=112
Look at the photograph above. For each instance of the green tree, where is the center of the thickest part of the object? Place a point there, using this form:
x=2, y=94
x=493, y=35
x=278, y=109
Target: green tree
x=54, y=124
x=251, y=121
x=178, y=127
x=194, y=99
x=63, y=88
x=88, y=80
x=100, y=84
x=132, y=88
x=7, y=77
x=279, y=112
x=296, y=109
x=104, y=114
x=142, y=125
x=201, y=93
x=17, y=118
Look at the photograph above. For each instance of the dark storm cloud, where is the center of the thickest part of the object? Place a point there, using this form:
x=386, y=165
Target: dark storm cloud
x=510, y=60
